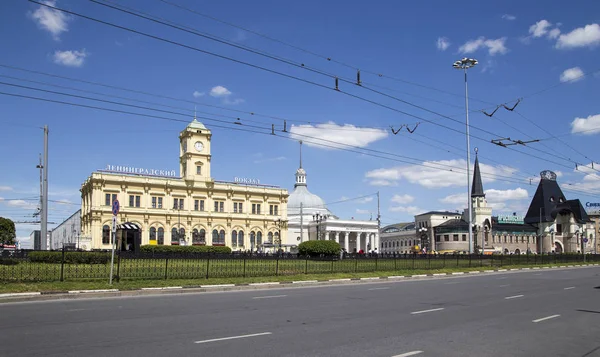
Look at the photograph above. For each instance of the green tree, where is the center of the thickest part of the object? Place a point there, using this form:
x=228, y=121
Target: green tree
x=7, y=231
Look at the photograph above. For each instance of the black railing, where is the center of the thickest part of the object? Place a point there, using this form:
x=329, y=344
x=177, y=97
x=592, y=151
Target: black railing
x=61, y=266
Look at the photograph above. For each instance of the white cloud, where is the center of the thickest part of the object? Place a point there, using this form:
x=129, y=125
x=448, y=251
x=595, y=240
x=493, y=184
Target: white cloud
x=362, y=211
x=402, y=199
x=434, y=174
x=70, y=58
x=347, y=134
x=22, y=204
x=53, y=21
x=6, y=188
x=540, y=28
x=442, y=43
x=219, y=91
x=572, y=75
x=494, y=47
x=588, y=36
x=586, y=126
x=497, y=199
x=509, y=17
x=197, y=94
x=554, y=33
x=493, y=195
x=405, y=209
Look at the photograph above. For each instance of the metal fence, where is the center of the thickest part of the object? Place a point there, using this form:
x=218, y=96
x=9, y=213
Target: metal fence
x=20, y=267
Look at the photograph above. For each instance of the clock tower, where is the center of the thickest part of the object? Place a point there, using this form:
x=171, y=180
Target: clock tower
x=194, y=152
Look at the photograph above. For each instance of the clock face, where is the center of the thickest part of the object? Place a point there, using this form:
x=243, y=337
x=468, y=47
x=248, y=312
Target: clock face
x=199, y=146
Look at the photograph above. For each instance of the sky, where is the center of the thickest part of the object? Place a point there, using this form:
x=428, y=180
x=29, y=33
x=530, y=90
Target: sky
x=273, y=65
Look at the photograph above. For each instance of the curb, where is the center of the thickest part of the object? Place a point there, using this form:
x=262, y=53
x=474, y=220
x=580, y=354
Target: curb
x=16, y=297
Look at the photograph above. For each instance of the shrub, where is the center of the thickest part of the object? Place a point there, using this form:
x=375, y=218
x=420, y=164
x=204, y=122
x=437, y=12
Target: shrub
x=70, y=257
x=185, y=249
x=317, y=247
x=9, y=261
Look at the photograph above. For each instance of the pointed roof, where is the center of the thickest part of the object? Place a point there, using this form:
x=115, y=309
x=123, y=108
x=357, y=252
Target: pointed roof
x=195, y=124
x=477, y=189
x=547, y=197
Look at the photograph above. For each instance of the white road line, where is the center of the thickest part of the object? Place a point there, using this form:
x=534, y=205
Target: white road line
x=424, y=311
x=570, y=287
x=458, y=273
x=545, y=318
x=537, y=274
x=380, y=288
x=502, y=278
x=513, y=297
x=233, y=337
x=269, y=296
x=412, y=353
x=396, y=277
x=419, y=276
x=503, y=286
x=452, y=282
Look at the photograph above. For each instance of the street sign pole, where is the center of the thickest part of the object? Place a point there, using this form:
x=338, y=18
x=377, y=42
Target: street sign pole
x=115, y=211
x=583, y=242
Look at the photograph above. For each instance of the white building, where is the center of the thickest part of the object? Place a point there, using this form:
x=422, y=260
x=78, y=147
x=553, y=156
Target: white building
x=68, y=234
x=310, y=219
x=398, y=238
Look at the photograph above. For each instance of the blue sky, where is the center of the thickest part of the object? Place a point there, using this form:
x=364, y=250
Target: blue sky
x=522, y=49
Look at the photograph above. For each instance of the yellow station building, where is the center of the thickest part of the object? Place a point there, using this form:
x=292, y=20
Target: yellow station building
x=157, y=207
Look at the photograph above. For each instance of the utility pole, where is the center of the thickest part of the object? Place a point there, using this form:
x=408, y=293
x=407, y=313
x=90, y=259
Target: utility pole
x=541, y=234
x=376, y=243
x=44, y=217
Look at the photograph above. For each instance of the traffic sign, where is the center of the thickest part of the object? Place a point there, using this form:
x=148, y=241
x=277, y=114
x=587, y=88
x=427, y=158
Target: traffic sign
x=114, y=224
x=115, y=207
x=585, y=240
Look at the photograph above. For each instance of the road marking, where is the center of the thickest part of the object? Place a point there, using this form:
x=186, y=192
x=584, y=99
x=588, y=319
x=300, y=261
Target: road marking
x=452, y=282
x=412, y=353
x=233, y=337
x=570, y=287
x=513, y=297
x=263, y=284
x=474, y=272
x=424, y=311
x=72, y=310
x=269, y=296
x=503, y=286
x=380, y=288
x=396, y=277
x=537, y=274
x=419, y=276
x=305, y=281
x=439, y=274
x=458, y=273
x=501, y=278
x=217, y=286
x=545, y=318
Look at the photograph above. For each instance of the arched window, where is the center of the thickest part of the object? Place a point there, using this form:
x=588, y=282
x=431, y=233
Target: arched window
x=196, y=237
x=222, y=237
x=258, y=238
x=161, y=236
x=215, y=237
x=152, y=234
x=181, y=233
x=234, y=238
x=241, y=238
x=202, y=237
x=252, y=238
x=270, y=237
x=277, y=239
x=174, y=238
x=106, y=234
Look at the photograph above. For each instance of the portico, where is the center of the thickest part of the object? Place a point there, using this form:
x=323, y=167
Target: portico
x=352, y=235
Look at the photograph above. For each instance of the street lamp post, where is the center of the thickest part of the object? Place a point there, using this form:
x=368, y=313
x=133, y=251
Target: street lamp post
x=318, y=218
x=279, y=223
x=465, y=64
x=423, y=236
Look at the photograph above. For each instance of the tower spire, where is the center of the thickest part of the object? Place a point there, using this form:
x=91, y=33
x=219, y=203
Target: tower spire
x=194, y=112
x=300, y=153
x=477, y=188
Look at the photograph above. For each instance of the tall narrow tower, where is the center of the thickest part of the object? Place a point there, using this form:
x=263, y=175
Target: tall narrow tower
x=482, y=214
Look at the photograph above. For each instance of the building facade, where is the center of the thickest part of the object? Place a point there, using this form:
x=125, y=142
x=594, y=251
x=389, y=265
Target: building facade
x=68, y=234
x=398, y=238
x=160, y=208
x=310, y=219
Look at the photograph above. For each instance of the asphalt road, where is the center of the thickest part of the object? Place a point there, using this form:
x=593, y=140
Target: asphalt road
x=528, y=313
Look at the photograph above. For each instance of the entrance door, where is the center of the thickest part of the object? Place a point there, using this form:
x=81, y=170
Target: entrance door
x=557, y=247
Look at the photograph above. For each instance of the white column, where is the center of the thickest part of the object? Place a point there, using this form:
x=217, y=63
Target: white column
x=347, y=242
x=357, y=241
x=377, y=243
x=337, y=237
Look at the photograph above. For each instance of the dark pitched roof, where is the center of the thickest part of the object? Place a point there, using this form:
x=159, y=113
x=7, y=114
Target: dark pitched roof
x=572, y=206
x=456, y=223
x=547, y=196
x=445, y=213
x=477, y=189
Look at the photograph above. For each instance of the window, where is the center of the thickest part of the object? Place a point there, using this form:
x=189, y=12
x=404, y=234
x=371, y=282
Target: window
x=464, y=238
x=161, y=236
x=446, y=238
x=438, y=238
x=455, y=237
x=178, y=203
x=154, y=199
x=559, y=229
x=238, y=207
x=196, y=205
x=174, y=238
x=273, y=210
x=198, y=170
x=106, y=234
x=198, y=238
x=270, y=237
x=252, y=239
x=234, y=239
x=218, y=238
x=152, y=233
x=109, y=199
x=134, y=201
x=240, y=238
x=258, y=238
